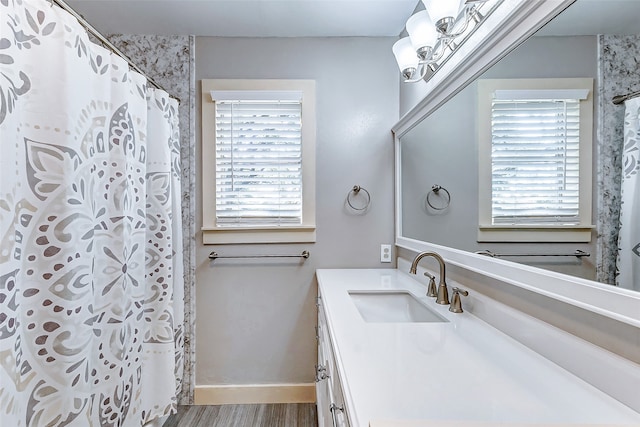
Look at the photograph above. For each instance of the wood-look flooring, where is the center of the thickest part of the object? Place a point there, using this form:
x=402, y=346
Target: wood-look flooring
x=259, y=415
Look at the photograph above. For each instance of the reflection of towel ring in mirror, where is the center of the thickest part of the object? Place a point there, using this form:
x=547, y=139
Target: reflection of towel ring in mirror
x=435, y=189
x=355, y=191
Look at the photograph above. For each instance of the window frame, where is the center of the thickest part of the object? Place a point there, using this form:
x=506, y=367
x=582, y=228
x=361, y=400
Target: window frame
x=487, y=231
x=249, y=233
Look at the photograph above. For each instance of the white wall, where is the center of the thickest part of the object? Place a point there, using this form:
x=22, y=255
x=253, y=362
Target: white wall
x=255, y=318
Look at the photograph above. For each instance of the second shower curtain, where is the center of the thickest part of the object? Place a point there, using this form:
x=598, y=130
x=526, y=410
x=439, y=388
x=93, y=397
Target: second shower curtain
x=628, y=263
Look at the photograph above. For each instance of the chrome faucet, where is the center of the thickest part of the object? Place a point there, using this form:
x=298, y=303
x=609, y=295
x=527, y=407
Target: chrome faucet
x=443, y=295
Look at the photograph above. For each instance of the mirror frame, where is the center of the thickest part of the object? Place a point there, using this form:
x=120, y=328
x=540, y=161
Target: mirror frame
x=510, y=24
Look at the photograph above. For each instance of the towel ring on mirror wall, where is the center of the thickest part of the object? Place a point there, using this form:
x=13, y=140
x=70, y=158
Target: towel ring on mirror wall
x=435, y=190
x=355, y=191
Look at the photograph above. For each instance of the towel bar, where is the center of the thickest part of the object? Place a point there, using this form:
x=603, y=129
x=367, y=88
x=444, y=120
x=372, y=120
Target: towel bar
x=304, y=254
x=578, y=254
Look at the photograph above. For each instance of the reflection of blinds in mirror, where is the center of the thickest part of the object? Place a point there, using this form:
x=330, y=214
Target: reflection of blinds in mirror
x=535, y=161
x=258, y=162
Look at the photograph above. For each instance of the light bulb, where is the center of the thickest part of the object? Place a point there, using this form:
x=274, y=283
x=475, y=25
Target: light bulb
x=443, y=11
x=406, y=56
x=422, y=32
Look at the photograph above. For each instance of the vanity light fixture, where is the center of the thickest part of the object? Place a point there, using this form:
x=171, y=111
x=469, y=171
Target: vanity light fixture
x=432, y=33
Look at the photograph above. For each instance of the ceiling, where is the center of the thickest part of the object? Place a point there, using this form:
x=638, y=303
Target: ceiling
x=316, y=18
x=248, y=18
x=588, y=17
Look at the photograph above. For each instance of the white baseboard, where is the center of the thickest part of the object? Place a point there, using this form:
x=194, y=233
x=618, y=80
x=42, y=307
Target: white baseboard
x=254, y=393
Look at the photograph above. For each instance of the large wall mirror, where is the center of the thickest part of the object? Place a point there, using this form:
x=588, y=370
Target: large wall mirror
x=594, y=40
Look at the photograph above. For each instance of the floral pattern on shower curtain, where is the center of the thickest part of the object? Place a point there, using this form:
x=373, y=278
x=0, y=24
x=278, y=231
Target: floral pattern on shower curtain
x=628, y=262
x=91, y=285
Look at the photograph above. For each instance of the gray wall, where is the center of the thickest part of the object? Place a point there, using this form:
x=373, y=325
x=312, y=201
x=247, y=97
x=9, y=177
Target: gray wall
x=443, y=150
x=255, y=321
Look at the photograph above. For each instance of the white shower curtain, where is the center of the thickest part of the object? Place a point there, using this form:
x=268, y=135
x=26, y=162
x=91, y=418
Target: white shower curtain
x=628, y=263
x=91, y=285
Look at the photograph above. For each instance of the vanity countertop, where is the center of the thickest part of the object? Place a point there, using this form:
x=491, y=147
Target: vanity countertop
x=462, y=371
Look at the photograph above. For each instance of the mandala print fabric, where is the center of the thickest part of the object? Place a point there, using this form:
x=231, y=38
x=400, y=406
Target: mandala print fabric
x=90, y=266
x=628, y=262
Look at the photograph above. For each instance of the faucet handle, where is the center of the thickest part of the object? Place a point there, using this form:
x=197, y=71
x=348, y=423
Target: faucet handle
x=431, y=290
x=456, y=304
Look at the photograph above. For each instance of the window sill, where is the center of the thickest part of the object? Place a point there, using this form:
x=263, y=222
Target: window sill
x=535, y=233
x=283, y=234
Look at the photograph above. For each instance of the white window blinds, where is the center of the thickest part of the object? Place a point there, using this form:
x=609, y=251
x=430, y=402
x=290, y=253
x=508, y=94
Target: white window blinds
x=258, y=159
x=535, y=161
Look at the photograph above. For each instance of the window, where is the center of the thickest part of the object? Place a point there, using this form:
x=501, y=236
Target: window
x=258, y=161
x=535, y=160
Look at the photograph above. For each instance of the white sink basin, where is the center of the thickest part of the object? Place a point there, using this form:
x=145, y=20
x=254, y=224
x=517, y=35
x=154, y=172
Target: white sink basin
x=392, y=307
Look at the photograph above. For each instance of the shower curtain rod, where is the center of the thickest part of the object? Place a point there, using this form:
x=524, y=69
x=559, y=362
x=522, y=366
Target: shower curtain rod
x=621, y=98
x=107, y=43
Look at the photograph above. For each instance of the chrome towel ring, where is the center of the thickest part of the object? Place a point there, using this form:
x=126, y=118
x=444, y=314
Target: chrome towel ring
x=353, y=194
x=435, y=191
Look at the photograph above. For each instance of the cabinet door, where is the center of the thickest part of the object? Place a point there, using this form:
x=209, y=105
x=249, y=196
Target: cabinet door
x=337, y=408
x=329, y=397
x=323, y=400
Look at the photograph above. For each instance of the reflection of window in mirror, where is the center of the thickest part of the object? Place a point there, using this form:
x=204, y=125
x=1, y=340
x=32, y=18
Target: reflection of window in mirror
x=535, y=139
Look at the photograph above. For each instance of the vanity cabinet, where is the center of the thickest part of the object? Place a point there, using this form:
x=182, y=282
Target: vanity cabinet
x=417, y=373
x=332, y=411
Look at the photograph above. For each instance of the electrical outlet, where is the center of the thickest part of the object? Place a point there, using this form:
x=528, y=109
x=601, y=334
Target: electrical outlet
x=385, y=253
